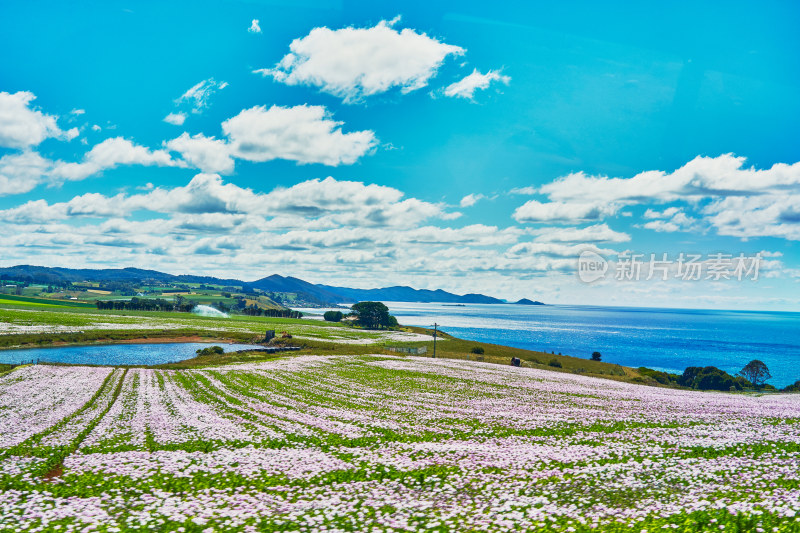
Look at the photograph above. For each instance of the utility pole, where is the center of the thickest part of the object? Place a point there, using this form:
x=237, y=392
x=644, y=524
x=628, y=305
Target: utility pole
x=434, y=339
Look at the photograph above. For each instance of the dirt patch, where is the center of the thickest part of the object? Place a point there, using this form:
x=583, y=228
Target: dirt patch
x=55, y=472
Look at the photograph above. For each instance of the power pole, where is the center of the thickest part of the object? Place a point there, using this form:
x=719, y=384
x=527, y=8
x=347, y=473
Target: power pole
x=434, y=339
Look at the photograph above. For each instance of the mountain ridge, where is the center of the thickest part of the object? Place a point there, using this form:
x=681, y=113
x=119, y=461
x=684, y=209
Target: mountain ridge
x=320, y=293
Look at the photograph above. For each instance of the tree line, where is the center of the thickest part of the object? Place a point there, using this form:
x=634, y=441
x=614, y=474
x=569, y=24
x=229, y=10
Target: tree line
x=253, y=310
x=146, y=304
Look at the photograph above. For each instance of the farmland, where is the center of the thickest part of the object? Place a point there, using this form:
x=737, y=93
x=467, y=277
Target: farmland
x=380, y=443
x=21, y=325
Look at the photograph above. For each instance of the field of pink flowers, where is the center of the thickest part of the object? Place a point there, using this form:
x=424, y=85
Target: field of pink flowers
x=380, y=443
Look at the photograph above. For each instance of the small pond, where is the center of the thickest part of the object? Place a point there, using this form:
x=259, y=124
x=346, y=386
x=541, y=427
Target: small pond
x=114, y=354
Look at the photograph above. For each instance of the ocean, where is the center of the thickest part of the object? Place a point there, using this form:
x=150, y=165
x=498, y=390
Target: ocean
x=663, y=339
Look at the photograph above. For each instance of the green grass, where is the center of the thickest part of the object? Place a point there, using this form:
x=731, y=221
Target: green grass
x=42, y=301
x=318, y=339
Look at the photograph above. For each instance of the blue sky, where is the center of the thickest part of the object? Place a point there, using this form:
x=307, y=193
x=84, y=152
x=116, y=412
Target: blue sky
x=464, y=146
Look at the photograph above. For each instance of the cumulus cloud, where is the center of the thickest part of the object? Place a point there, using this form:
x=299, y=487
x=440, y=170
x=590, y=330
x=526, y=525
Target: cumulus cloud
x=254, y=27
x=471, y=199
x=314, y=203
x=109, y=154
x=199, y=95
x=700, y=178
x=206, y=153
x=353, y=63
x=20, y=173
x=595, y=233
x=306, y=134
x=723, y=193
x=466, y=87
x=176, y=119
x=555, y=249
x=670, y=220
x=768, y=215
x=535, y=211
x=22, y=126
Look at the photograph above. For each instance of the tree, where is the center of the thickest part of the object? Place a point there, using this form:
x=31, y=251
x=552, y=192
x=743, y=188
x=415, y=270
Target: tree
x=756, y=372
x=596, y=356
x=333, y=316
x=373, y=315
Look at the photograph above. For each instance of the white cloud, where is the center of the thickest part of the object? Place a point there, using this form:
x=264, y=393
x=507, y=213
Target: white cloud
x=317, y=203
x=96, y=128
x=254, y=27
x=471, y=199
x=666, y=213
x=19, y=173
x=595, y=233
x=200, y=94
x=670, y=220
x=353, y=63
x=701, y=177
x=527, y=191
x=535, y=211
x=765, y=215
x=571, y=251
x=206, y=153
x=176, y=119
x=305, y=134
x=78, y=111
x=22, y=127
x=466, y=87
x=733, y=199
x=109, y=154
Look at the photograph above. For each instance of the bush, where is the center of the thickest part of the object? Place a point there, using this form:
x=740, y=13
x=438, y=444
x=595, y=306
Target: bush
x=333, y=316
x=596, y=356
x=794, y=387
x=711, y=378
x=477, y=349
x=213, y=350
x=664, y=378
x=555, y=363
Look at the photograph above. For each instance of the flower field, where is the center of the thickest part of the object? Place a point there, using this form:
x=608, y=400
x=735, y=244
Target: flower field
x=379, y=443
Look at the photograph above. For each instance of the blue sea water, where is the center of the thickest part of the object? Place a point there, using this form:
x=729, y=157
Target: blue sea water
x=664, y=339
x=113, y=354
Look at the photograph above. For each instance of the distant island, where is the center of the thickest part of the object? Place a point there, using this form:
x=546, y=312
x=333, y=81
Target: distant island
x=303, y=293
x=525, y=301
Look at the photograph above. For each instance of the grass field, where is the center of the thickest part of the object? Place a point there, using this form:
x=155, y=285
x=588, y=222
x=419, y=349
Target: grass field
x=378, y=443
x=10, y=299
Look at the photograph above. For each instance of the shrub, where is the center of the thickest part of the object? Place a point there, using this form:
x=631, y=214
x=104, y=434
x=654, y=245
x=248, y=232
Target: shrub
x=213, y=350
x=333, y=316
x=794, y=387
x=477, y=349
x=555, y=363
x=596, y=356
x=664, y=378
x=711, y=378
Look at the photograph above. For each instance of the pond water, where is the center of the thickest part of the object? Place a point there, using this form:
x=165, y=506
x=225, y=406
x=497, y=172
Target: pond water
x=114, y=354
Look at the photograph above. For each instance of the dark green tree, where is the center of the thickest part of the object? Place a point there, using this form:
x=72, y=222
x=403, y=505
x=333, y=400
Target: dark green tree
x=596, y=356
x=756, y=372
x=373, y=315
x=333, y=316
